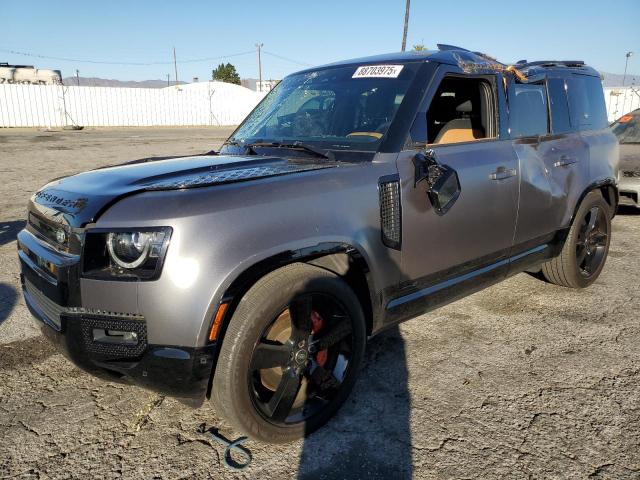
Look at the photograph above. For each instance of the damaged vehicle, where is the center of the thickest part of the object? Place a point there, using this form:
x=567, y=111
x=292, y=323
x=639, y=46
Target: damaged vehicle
x=356, y=195
x=627, y=129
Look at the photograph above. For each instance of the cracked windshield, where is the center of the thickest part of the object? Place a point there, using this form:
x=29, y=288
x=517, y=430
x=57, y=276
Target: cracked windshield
x=342, y=108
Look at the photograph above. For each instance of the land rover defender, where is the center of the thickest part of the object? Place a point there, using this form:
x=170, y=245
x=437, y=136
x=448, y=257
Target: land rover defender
x=356, y=195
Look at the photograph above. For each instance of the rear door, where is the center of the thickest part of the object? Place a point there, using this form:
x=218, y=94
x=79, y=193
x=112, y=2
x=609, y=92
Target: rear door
x=552, y=156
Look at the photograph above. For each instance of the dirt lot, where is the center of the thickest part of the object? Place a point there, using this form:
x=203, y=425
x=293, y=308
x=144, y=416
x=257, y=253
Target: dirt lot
x=524, y=379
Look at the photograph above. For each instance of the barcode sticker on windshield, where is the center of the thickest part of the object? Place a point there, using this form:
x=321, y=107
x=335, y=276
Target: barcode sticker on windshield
x=378, y=71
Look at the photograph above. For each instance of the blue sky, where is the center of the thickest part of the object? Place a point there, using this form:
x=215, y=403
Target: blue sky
x=307, y=32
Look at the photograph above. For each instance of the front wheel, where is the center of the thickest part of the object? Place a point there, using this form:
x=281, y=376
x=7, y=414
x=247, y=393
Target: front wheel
x=290, y=355
x=585, y=250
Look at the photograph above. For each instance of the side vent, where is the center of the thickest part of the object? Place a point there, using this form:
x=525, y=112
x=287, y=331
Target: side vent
x=390, y=211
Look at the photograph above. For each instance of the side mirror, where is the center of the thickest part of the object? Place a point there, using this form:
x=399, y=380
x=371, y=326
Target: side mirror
x=444, y=193
x=443, y=183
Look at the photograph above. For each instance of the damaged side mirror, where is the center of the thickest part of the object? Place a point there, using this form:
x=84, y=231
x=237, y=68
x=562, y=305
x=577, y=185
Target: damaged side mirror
x=443, y=185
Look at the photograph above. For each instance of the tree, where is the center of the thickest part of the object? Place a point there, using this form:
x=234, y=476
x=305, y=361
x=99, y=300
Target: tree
x=225, y=73
x=419, y=47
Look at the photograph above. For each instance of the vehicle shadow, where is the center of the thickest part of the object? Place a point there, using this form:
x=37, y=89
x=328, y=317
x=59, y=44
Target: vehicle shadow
x=370, y=436
x=9, y=230
x=8, y=300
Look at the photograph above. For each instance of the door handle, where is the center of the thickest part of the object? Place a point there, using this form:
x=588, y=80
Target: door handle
x=564, y=161
x=503, y=172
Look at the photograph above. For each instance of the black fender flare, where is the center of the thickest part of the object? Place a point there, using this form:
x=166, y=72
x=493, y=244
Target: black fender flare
x=336, y=257
x=609, y=189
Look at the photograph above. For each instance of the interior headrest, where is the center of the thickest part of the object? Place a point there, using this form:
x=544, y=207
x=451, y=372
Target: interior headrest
x=465, y=107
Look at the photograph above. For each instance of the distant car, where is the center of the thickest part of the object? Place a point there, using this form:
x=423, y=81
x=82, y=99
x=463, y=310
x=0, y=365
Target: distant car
x=355, y=196
x=627, y=129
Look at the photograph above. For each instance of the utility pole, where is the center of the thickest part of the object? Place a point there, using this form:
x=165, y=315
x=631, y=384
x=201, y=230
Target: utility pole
x=406, y=25
x=624, y=78
x=77, y=77
x=626, y=64
x=259, y=47
x=175, y=64
x=168, y=82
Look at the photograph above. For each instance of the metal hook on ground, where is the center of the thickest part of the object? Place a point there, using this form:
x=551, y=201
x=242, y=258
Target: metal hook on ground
x=233, y=446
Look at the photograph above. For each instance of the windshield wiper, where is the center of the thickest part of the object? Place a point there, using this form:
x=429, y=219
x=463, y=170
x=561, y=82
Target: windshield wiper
x=295, y=145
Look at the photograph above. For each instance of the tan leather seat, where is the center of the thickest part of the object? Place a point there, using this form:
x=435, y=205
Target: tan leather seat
x=460, y=129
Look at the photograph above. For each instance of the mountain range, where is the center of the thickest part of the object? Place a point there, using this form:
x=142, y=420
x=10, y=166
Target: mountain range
x=610, y=80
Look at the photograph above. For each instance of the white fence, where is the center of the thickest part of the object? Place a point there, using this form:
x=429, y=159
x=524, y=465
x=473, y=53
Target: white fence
x=621, y=100
x=205, y=103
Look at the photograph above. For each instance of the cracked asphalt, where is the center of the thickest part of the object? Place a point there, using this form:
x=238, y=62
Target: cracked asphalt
x=524, y=379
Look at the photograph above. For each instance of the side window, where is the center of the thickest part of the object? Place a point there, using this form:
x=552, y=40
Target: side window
x=560, y=121
x=462, y=110
x=528, y=110
x=586, y=102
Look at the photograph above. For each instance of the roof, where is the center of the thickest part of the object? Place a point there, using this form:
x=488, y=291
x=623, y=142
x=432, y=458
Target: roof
x=449, y=57
x=453, y=55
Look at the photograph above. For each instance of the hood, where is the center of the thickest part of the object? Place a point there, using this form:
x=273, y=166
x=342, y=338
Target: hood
x=80, y=199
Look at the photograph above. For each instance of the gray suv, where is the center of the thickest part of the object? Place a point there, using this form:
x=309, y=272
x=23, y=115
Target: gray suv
x=355, y=196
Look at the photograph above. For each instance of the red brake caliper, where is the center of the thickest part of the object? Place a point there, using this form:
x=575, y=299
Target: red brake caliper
x=317, y=323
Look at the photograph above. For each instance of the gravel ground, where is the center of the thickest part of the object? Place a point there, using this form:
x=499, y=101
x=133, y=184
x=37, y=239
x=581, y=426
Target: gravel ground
x=524, y=379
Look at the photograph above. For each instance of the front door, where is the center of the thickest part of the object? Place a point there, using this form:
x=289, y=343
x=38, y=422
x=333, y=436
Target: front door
x=447, y=255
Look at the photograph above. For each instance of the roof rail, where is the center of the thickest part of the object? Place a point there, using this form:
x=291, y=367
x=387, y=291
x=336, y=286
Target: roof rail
x=550, y=63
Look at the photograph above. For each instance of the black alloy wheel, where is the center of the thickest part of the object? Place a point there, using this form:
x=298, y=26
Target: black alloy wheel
x=301, y=361
x=290, y=355
x=585, y=249
x=592, y=242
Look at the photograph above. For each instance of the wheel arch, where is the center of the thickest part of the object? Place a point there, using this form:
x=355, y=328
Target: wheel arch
x=343, y=259
x=607, y=188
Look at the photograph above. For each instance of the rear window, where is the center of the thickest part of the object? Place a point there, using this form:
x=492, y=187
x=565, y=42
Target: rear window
x=586, y=102
x=528, y=110
x=627, y=128
x=560, y=121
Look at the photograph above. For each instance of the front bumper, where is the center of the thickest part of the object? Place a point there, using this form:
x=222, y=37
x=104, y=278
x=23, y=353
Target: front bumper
x=106, y=344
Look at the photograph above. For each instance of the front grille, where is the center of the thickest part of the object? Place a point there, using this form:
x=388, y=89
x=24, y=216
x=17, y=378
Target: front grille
x=631, y=173
x=113, y=349
x=48, y=307
x=390, y=212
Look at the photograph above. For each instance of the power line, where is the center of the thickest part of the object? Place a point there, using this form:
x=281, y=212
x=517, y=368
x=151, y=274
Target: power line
x=287, y=59
x=107, y=62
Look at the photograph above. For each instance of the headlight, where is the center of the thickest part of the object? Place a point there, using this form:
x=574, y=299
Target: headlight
x=131, y=249
x=135, y=254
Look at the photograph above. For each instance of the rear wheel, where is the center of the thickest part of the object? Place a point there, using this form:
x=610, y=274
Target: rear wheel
x=586, y=247
x=291, y=354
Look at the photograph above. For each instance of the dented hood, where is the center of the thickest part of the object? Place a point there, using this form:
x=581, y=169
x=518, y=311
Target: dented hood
x=80, y=199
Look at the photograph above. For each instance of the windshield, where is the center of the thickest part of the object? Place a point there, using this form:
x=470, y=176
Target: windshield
x=627, y=128
x=335, y=108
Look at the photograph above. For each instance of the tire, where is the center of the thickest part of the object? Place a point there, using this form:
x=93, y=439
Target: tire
x=241, y=393
x=586, y=248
